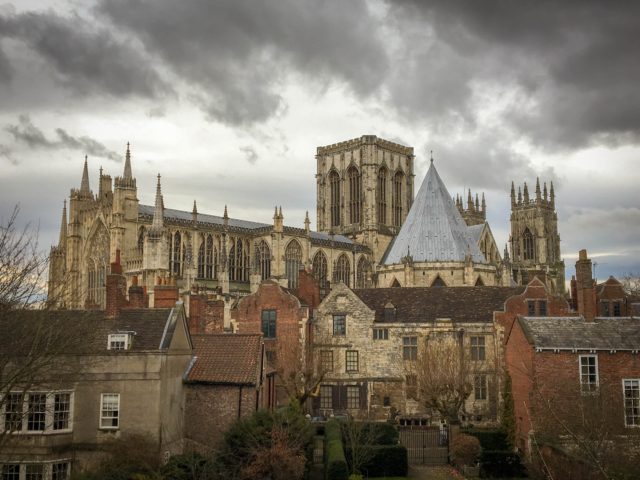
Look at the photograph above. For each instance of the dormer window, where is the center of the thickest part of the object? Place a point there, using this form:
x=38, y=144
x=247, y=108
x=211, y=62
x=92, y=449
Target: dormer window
x=119, y=341
x=389, y=312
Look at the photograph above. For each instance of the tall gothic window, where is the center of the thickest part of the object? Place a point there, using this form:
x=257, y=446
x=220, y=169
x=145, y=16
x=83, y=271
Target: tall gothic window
x=97, y=264
x=175, y=254
x=528, y=245
x=342, y=270
x=263, y=259
x=355, y=195
x=334, y=184
x=362, y=273
x=239, y=262
x=320, y=269
x=210, y=259
x=201, y=257
x=293, y=260
x=396, y=203
x=141, y=241
x=382, y=195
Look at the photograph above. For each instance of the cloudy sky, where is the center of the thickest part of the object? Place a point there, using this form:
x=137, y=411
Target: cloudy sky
x=228, y=101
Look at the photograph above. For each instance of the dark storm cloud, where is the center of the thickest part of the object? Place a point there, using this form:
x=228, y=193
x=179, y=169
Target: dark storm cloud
x=576, y=61
x=236, y=52
x=26, y=132
x=86, y=58
x=6, y=72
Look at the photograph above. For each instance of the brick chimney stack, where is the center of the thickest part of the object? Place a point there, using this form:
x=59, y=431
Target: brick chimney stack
x=585, y=287
x=116, y=286
x=166, y=295
x=206, y=315
x=137, y=296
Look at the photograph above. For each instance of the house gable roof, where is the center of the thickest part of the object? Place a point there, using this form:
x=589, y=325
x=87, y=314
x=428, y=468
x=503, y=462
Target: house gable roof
x=574, y=333
x=426, y=304
x=226, y=359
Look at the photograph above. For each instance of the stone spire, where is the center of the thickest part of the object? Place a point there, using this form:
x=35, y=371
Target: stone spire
x=84, y=184
x=469, y=201
x=194, y=212
x=538, y=195
x=225, y=217
x=484, y=204
x=127, y=164
x=477, y=203
x=546, y=195
x=519, y=195
x=513, y=194
x=506, y=253
x=158, y=212
x=552, y=196
x=307, y=222
x=63, y=226
x=526, y=193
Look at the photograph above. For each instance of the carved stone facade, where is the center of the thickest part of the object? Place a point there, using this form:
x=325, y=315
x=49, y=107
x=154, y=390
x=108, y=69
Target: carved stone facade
x=365, y=190
x=162, y=246
x=534, y=239
x=368, y=235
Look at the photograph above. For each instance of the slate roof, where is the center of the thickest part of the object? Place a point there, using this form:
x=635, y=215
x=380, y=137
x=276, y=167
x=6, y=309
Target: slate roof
x=426, y=304
x=434, y=230
x=475, y=231
x=237, y=225
x=86, y=331
x=610, y=333
x=227, y=359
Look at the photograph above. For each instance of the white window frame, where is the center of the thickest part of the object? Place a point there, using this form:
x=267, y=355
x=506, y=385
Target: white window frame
x=118, y=338
x=588, y=388
x=47, y=467
x=49, y=413
x=102, y=409
x=624, y=401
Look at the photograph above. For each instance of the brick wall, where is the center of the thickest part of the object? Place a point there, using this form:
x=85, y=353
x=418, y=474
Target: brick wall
x=206, y=315
x=546, y=389
x=165, y=296
x=516, y=305
x=211, y=409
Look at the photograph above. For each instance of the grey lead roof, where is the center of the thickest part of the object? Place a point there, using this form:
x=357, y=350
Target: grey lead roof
x=434, y=230
x=611, y=333
x=183, y=216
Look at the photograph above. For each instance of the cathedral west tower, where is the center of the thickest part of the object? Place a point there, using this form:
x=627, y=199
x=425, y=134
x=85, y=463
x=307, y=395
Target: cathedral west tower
x=534, y=239
x=364, y=190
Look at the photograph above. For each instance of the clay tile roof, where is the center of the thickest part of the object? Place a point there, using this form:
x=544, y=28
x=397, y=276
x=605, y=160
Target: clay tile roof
x=611, y=333
x=228, y=359
x=425, y=304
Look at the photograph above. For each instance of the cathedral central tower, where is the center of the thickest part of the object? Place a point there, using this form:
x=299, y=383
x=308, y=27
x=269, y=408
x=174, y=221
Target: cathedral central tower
x=364, y=190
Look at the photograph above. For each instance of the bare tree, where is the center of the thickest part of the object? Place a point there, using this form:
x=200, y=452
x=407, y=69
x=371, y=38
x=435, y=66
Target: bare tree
x=299, y=369
x=631, y=283
x=22, y=265
x=33, y=340
x=359, y=437
x=443, y=375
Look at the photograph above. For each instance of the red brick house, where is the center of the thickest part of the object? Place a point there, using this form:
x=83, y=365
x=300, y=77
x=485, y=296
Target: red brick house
x=224, y=382
x=576, y=381
x=283, y=321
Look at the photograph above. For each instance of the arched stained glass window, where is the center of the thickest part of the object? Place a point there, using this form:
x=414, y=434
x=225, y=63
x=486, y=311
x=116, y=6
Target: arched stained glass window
x=293, y=261
x=320, y=269
x=342, y=270
x=334, y=184
x=382, y=195
x=263, y=259
x=362, y=273
x=528, y=245
x=355, y=195
x=398, y=180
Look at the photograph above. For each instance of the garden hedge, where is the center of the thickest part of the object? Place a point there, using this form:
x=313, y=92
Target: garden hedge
x=336, y=463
